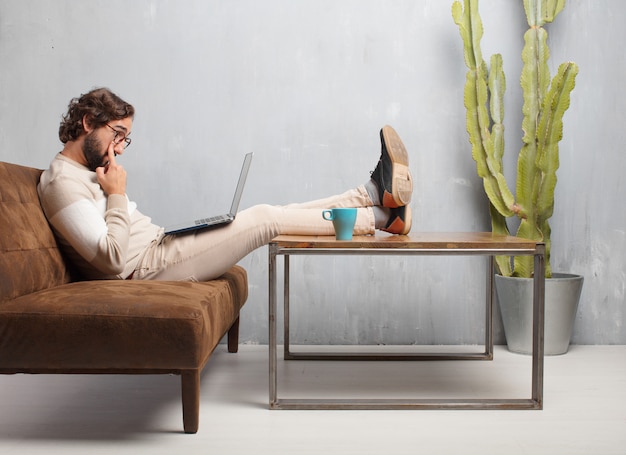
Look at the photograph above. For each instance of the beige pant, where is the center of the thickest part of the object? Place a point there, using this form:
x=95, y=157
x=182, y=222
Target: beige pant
x=207, y=254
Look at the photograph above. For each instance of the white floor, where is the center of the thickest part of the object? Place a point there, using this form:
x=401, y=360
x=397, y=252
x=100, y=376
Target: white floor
x=584, y=409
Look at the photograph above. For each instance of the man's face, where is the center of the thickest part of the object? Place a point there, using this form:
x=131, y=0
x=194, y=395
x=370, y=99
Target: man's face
x=98, y=140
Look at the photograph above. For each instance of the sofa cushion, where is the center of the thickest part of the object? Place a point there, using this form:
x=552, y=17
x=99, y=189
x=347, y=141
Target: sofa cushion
x=109, y=325
x=29, y=256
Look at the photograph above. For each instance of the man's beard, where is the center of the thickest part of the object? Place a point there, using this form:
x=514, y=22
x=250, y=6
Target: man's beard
x=92, y=153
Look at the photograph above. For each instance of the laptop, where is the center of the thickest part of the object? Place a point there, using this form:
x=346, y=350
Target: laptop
x=219, y=220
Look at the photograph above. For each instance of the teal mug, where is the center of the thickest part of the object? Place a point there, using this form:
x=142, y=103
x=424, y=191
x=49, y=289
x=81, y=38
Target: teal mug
x=343, y=221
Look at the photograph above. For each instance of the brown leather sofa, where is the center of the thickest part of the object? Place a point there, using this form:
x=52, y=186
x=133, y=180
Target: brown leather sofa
x=52, y=322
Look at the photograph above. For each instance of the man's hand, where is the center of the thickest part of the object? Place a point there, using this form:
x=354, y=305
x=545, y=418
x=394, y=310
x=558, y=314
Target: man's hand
x=112, y=176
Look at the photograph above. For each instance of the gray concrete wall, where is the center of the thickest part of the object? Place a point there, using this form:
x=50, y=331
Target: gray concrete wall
x=306, y=85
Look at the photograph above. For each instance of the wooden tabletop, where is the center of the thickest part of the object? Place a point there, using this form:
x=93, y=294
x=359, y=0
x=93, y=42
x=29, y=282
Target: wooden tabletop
x=416, y=240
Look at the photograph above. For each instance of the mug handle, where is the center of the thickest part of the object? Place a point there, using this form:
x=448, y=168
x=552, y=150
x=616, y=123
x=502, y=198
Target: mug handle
x=327, y=215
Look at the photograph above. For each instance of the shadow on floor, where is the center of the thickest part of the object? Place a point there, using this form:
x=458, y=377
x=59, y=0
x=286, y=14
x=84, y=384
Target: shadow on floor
x=92, y=407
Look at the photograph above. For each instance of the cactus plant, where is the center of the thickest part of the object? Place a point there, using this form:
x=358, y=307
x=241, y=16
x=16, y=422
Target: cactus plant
x=545, y=103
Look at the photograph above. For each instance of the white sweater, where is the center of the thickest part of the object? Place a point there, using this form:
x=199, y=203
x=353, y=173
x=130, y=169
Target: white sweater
x=103, y=236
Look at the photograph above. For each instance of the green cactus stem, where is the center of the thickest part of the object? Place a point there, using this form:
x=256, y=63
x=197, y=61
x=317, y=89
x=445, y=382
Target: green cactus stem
x=545, y=103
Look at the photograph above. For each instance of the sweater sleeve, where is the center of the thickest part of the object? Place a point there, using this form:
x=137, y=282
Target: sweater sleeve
x=95, y=226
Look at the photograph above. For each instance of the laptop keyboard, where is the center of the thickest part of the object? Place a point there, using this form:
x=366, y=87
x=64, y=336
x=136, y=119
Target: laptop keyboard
x=211, y=219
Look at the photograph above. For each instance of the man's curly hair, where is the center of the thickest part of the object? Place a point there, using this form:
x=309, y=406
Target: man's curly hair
x=100, y=106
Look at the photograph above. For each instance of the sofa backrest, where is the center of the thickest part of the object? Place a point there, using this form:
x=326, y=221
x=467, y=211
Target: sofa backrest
x=30, y=259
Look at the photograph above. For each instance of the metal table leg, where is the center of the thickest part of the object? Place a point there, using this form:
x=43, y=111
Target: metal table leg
x=273, y=380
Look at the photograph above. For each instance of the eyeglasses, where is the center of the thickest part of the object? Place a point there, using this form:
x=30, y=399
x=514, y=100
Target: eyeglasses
x=123, y=138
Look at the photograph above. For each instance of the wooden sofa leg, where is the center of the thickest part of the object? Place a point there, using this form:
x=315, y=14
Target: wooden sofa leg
x=190, y=385
x=233, y=337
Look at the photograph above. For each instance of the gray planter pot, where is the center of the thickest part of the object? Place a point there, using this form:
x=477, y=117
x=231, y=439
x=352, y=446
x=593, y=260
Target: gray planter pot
x=515, y=297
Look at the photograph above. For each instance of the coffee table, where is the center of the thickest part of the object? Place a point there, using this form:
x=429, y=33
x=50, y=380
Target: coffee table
x=422, y=244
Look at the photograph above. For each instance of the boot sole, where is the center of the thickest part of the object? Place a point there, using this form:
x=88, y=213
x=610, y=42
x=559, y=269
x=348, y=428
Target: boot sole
x=399, y=226
x=402, y=182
